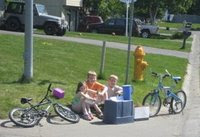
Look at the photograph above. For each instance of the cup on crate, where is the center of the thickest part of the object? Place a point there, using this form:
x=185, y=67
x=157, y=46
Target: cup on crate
x=127, y=92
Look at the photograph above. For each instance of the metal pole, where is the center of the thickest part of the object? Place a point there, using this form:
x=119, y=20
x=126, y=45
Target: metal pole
x=129, y=41
x=102, y=59
x=28, y=51
x=127, y=7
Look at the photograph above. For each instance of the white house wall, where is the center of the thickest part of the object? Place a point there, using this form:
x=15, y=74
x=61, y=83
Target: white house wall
x=74, y=3
x=54, y=7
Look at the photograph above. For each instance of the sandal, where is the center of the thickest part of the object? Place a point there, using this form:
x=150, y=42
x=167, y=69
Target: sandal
x=87, y=117
x=100, y=115
x=91, y=115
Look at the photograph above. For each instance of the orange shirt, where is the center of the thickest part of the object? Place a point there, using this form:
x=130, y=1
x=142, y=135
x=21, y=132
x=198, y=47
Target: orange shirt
x=95, y=86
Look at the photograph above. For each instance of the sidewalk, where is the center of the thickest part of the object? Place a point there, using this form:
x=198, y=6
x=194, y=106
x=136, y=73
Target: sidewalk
x=190, y=127
x=116, y=45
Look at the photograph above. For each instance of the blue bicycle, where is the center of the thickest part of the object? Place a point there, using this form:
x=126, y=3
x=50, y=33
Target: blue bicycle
x=175, y=101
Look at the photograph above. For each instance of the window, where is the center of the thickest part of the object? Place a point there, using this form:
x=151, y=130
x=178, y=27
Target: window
x=41, y=9
x=120, y=22
x=15, y=8
x=110, y=22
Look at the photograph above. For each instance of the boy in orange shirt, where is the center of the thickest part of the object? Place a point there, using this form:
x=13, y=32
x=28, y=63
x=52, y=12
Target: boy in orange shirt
x=96, y=90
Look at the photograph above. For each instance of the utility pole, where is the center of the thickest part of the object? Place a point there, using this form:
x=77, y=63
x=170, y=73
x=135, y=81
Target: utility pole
x=103, y=55
x=129, y=41
x=28, y=47
x=127, y=8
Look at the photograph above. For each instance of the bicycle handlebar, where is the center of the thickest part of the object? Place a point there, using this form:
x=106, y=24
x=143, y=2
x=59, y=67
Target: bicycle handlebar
x=162, y=76
x=154, y=73
x=49, y=87
x=166, y=75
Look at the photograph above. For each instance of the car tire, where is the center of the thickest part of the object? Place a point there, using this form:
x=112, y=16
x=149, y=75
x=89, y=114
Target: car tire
x=50, y=28
x=61, y=32
x=13, y=24
x=145, y=34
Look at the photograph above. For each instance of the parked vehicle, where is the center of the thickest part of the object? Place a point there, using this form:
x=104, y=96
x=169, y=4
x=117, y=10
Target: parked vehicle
x=87, y=20
x=14, y=19
x=147, y=30
x=113, y=26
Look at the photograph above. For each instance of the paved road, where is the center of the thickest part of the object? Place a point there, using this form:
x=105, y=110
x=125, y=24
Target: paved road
x=109, y=44
x=164, y=125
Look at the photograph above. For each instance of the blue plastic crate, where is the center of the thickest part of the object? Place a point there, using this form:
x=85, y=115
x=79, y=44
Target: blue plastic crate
x=127, y=92
x=118, y=112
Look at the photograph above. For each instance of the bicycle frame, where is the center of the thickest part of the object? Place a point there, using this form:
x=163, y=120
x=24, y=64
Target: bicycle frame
x=175, y=101
x=169, y=92
x=31, y=116
x=43, y=102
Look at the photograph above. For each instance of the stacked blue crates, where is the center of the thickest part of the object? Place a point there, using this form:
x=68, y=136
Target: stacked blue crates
x=120, y=111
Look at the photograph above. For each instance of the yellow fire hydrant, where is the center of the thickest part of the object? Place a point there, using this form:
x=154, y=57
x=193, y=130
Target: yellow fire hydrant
x=140, y=64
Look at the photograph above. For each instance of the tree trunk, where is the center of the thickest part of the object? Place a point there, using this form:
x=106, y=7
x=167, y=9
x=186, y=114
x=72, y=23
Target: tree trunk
x=153, y=10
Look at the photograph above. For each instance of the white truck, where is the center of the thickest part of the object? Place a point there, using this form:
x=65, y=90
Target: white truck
x=147, y=30
x=14, y=19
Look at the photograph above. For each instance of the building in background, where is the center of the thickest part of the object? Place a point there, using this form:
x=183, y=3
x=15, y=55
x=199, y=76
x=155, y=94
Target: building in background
x=2, y=6
x=68, y=9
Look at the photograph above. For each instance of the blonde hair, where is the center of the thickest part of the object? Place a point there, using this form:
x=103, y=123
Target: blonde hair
x=113, y=76
x=91, y=73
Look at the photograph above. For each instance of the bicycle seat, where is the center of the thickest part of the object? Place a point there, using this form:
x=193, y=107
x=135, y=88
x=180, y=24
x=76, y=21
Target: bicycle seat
x=25, y=100
x=176, y=79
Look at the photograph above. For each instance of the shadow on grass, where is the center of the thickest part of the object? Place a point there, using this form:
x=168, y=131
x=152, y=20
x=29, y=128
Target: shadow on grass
x=41, y=82
x=160, y=37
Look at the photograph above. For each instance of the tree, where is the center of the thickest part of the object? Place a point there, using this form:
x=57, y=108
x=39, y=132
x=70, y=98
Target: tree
x=178, y=6
x=104, y=8
x=195, y=8
x=90, y=6
x=111, y=8
x=157, y=7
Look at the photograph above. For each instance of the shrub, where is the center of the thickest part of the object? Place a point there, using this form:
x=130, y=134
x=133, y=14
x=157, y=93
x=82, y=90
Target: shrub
x=177, y=35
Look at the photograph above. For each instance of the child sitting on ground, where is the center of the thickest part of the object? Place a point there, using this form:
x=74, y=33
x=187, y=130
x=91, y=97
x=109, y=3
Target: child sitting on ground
x=82, y=102
x=113, y=88
x=96, y=90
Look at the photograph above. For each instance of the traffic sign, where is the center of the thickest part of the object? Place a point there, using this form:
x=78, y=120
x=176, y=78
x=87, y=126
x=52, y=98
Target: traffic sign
x=128, y=1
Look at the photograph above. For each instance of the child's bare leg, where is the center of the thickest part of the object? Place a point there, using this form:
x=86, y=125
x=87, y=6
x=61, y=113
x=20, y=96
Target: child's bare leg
x=84, y=108
x=105, y=96
x=98, y=110
x=89, y=110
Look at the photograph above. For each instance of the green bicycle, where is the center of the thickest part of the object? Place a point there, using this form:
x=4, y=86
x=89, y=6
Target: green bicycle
x=31, y=116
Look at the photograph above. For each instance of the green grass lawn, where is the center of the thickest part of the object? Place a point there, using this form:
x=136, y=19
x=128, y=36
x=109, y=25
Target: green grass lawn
x=177, y=25
x=163, y=42
x=65, y=64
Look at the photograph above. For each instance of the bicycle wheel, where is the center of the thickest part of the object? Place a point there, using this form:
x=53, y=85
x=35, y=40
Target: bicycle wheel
x=154, y=103
x=66, y=113
x=23, y=117
x=178, y=105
